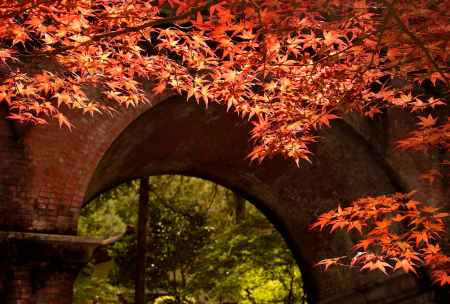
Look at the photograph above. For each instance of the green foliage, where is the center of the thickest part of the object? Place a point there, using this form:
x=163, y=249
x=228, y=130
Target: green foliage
x=196, y=252
x=248, y=264
x=110, y=213
x=94, y=287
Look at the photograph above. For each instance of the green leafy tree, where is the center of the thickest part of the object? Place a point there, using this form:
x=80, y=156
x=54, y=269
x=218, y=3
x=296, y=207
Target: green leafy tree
x=247, y=263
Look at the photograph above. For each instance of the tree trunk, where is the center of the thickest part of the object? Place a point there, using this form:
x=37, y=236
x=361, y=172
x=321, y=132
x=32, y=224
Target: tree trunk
x=139, y=291
x=239, y=208
x=183, y=278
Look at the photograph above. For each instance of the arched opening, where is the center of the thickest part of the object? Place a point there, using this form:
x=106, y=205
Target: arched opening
x=206, y=244
x=175, y=137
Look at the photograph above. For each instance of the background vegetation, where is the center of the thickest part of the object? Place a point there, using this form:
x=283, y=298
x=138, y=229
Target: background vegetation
x=205, y=245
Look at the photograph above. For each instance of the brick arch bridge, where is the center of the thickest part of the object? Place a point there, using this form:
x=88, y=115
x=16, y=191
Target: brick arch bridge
x=48, y=173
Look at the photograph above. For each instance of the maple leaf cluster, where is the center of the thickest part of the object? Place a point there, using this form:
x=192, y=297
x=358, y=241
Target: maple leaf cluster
x=289, y=66
x=428, y=135
x=293, y=65
x=396, y=232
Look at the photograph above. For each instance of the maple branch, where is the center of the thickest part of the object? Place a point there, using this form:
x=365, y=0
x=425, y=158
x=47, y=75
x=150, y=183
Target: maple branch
x=23, y=9
x=379, y=38
x=132, y=29
x=415, y=39
x=358, y=42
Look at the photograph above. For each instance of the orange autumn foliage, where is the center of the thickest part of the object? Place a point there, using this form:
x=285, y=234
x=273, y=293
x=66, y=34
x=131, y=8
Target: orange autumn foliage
x=290, y=67
x=396, y=232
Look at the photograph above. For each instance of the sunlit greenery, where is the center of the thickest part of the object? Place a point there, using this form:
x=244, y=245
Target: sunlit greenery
x=197, y=251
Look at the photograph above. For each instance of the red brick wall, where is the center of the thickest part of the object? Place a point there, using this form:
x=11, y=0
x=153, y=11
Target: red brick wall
x=44, y=172
x=13, y=178
x=19, y=287
x=58, y=289
x=31, y=284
